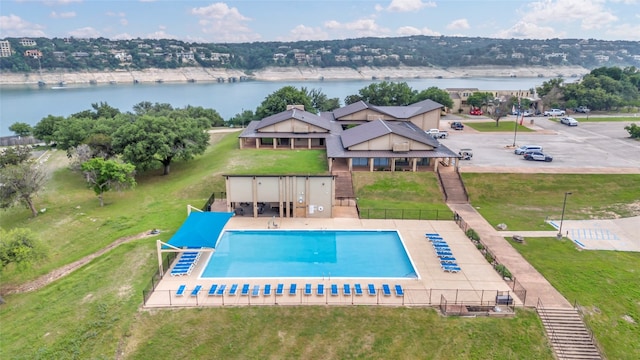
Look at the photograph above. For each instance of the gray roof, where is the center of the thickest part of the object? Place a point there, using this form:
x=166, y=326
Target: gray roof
x=396, y=112
x=335, y=149
x=378, y=128
x=297, y=114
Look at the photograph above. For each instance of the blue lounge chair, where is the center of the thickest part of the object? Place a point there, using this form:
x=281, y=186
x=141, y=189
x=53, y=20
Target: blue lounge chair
x=371, y=289
x=245, y=290
x=440, y=244
x=267, y=290
x=446, y=259
x=444, y=253
x=358, y=289
x=180, y=291
x=196, y=290
x=233, y=290
x=435, y=238
x=399, y=290
x=256, y=290
x=279, y=289
x=180, y=272
x=212, y=289
x=320, y=290
x=346, y=290
x=293, y=289
x=334, y=290
x=307, y=289
x=451, y=268
x=431, y=234
x=386, y=290
x=221, y=290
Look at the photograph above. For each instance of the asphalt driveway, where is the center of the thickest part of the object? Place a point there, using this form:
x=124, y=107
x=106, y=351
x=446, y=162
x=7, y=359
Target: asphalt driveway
x=590, y=147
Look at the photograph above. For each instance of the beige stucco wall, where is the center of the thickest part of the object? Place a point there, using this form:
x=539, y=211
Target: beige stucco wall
x=426, y=121
x=386, y=143
x=291, y=126
x=311, y=196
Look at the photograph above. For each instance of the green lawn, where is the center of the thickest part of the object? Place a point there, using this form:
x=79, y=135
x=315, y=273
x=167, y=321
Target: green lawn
x=605, y=283
x=405, y=195
x=524, y=201
x=503, y=126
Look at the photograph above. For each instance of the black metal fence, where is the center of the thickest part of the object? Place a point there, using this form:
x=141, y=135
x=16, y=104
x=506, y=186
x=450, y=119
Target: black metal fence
x=157, y=276
x=471, y=299
x=212, y=199
x=406, y=214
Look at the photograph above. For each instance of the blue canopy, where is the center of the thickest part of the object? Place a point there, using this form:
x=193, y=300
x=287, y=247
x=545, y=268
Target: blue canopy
x=201, y=229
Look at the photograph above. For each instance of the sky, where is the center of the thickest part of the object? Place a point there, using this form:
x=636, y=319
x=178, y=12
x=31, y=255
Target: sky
x=266, y=20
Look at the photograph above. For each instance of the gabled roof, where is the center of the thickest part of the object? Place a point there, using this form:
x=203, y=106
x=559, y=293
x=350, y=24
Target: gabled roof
x=396, y=112
x=378, y=128
x=297, y=114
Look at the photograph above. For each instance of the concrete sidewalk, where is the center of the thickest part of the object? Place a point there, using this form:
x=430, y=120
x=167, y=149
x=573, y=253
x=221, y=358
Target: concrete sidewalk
x=535, y=284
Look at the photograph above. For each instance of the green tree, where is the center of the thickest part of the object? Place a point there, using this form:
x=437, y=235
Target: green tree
x=242, y=119
x=14, y=155
x=21, y=129
x=321, y=101
x=152, y=139
x=20, y=184
x=277, y=101
x=436, y=94
x=549, y=86
x=45, y=128
x=480, y=98
x=21, y=247
x=501, y=109
x=384, y=94
x=106, y=175
x=633, y=130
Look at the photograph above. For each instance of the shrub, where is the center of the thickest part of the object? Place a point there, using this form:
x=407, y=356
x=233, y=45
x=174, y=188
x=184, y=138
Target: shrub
x=503, y=271
x=472, y=234
x=633, y=130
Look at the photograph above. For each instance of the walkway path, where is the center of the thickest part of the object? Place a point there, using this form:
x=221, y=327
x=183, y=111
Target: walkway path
x=535, y=284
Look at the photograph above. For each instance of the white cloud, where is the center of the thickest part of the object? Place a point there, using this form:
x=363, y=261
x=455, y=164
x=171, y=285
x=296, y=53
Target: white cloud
x=13, y=25
x=625, y=32
x=119, y=14
x=406, y=5
x=410, y=30
x=590, y=13
x=458, y=24
x=124, y=22
x=60, y=2
x=85, y=32
x=63, y=15
x=223, y=23
x=526, y=30
x=123, y=36
x=302, y=32
x=358, y=28
x=160, y=34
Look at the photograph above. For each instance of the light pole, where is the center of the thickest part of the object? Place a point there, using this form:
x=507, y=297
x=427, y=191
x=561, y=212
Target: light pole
x=515, y=131
x=564, y=205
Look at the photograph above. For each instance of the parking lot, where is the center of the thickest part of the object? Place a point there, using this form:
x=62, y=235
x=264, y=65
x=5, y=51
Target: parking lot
x=590, y=147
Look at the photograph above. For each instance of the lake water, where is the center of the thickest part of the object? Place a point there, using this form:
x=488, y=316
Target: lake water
x=30, y=104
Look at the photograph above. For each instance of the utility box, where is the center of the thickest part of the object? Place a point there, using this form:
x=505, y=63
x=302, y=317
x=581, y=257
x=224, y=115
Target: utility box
x=504, y=300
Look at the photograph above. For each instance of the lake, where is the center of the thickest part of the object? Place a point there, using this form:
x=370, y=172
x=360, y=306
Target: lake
x=31, y=104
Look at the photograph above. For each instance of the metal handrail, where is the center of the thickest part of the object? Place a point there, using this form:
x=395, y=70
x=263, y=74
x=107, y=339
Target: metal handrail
x=542, y=314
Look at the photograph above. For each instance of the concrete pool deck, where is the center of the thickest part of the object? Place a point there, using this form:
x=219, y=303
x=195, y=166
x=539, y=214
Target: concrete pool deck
x=476, y=282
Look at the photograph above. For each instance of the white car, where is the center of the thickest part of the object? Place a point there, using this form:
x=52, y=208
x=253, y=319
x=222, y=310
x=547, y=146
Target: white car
x=555, y=112
x=567, y=120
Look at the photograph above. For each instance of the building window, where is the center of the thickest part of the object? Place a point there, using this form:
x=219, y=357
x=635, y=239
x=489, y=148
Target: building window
x=380, y=162
x=359, y=161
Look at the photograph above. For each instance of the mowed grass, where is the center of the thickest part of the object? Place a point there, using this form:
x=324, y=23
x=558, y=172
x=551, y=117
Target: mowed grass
x=503, y=126
x=524, y=201
x=321, y=332
x=606, y=284
x=387, y=193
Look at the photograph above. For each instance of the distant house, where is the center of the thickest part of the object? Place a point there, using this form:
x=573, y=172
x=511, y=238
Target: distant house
x=5, y=48
x=36, y=54
x=27, y=42
x=359, y=136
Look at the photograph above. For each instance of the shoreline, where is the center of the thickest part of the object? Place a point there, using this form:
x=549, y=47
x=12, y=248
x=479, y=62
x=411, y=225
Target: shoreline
x=199, y=74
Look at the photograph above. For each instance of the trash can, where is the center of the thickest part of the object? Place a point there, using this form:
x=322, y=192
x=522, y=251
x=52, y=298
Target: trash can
x=504, y=300
x=531, y=121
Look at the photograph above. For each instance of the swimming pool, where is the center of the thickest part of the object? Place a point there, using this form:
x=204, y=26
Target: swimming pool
x=309, y=254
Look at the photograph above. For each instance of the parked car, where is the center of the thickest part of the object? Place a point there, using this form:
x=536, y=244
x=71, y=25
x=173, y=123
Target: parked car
x=555, y=112
x=465, y=154
x=527, y=113
x=582, y=109
x=475, y=111
x=567, y=120
x=523, y=149
x=437, y=134
x=537, y=156
x=457, y=125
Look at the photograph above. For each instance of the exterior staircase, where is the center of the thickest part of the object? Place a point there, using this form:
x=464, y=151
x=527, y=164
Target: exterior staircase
x=568, y=334
x=452, y=186
x=344, y=186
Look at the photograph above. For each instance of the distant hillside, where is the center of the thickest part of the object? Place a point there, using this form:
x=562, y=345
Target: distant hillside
x=71, y=54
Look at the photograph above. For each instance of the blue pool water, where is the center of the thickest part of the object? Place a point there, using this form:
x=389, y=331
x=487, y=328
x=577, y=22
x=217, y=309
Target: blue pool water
x=309, y=253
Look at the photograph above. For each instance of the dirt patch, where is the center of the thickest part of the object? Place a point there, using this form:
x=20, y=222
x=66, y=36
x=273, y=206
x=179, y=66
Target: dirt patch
x=68, y=269
x=628, y=319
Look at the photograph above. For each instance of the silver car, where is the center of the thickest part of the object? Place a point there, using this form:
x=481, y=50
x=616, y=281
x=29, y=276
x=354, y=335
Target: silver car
x=567, y=120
